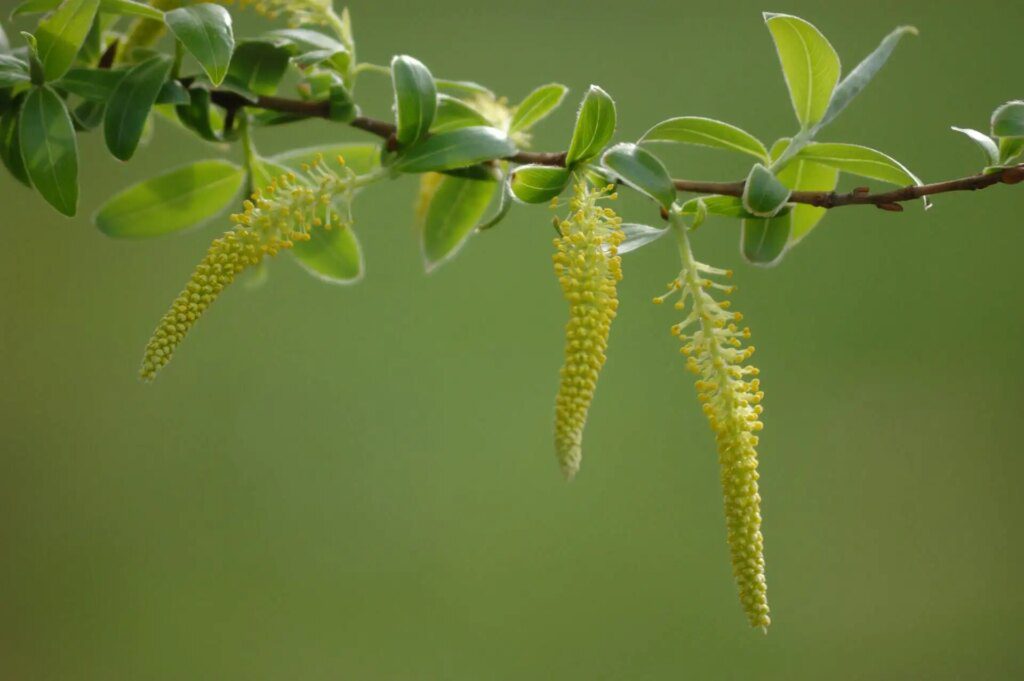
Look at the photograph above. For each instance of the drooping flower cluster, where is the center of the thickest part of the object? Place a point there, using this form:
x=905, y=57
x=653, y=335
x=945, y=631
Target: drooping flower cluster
x=588, y=268
x=277, y=216
x=730, y=391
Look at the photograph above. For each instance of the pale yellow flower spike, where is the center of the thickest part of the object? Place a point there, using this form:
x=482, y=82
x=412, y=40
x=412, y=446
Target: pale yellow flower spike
x=731, y=396
x=275, y=218
x=588, y=269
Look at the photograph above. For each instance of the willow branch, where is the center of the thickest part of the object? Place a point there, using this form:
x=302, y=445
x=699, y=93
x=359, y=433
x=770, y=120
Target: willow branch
x=860, y=196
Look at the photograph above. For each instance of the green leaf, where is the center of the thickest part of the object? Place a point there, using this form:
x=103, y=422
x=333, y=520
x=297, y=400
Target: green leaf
x=130, y=104
x=131, y=8
x=638, y=236
x=180, y=199
x=34, y=7
x=173, y=93
x=763, y=194
x=595, y=125
x=205, y=31
x=342, y=108
x=538, y=184
x=809, y=65
x=1008, y=120
x=537, y=105
x=1010, y=148
x=333, y=255
x=986, y=143
x=800, y=175
x=862, y=161
x=708, y=133
x=453, y=114
x=49, y=148
x=864, y=73
x=12, y=71
x=92, y=84
x=61, y=34
x=10, y=141
x=415, y=99
x=763, y=241
x=726, y=206
x=258, y=66
x=360, y=158
x=642, y=171
x=455, y=209
x=455, y=149
x=311, y=47
x=504, y=206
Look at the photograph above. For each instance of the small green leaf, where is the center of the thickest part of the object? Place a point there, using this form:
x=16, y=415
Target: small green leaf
x=34, y=7
x=10, y=141
x=415, y=99
x=258, y=66
x=862, y=161
x=642, y=171
x=455, y=149
x=50, y=149
x=986, y=143
x=131, y=8
x=800, y=175
x=1010, y=148
x=455, y=209
x=638, y=236
x=809, y=64
x=864, y=73
x=205, y=31
x=725, y=206
x=763, y=194
x=333, y=255
x=92, y=84
x=61, y=34
x=180, y=199
x=538, y=184
x=342, y=108
x=311, y=47
x=130, y=104
x=453, y=114
x=706, y=132
x=504, y=206
x=537, y=105
x=595, y=125
x=12, y=71
x=200, y=116
x=360, y=158
x=173, y=93
x=1008, y=120
x=763, y=241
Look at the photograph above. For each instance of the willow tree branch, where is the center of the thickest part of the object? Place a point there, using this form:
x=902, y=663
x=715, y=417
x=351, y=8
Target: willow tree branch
x=860, y=196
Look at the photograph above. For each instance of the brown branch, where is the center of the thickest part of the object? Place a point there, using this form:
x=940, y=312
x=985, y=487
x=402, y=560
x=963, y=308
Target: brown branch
x=889, y=200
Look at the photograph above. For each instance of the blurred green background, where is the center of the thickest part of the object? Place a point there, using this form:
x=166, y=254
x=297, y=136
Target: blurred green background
x=358, y=483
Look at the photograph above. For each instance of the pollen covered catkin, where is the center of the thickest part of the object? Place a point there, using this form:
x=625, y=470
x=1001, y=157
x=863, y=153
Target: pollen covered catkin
x=277, y=216
x=588, y=268
x=731, y=395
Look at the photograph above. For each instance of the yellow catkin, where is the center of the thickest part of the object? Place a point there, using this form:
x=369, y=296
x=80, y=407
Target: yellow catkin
x=731, y=395
x=588, y=269
x=273, y=220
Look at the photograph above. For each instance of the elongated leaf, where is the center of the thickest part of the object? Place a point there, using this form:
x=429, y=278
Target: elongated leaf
x=361, y=158
x=595, y=125
x=858, y=160
x=33, y=7
x=763, y=241
x=864, y=73
x=131, y=8
x=258, y=66
x=455, y=149
x=984, y=142
x=180, y=199
x=638, y=236
x=61, y=34
x=10, y=141
x=538, y=184
x=537, y=105
x=333, y=255
x=453, y=114
x=415, y=99
x=708, y=133
x=173, y=93
x=49, y=148
x=800, y=175
x=205, y=31
x=763, y=194
x=92, y=84
x=455, y=209
x=504, y=206
x=1008, y=120
x=130, y=104
x=12, y=71
x=311, y=47
x=642, y=171
x=726, y=206
x=809, y=64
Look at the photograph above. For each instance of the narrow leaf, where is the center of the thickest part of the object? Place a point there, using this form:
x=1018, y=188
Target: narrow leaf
x=10, y=141
x=538, y=184
x=415, y=99
x=50, y=149
x=131, y=8
x=763, y=194
x=809, y=64
x=706, y=132
x=180, y=199
x=763, y=241
x=205, y=31
x=801, y=175
x=595, y=125
x=638, y=236
x=986, y=143
x=93, y=84
x=642, y=171
x=456, y=207
x=455, y=149
x=453, y=114
x=130, y=104
x=537, y=105
x=12, y=71
x=61, y=34
x=862, y=161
